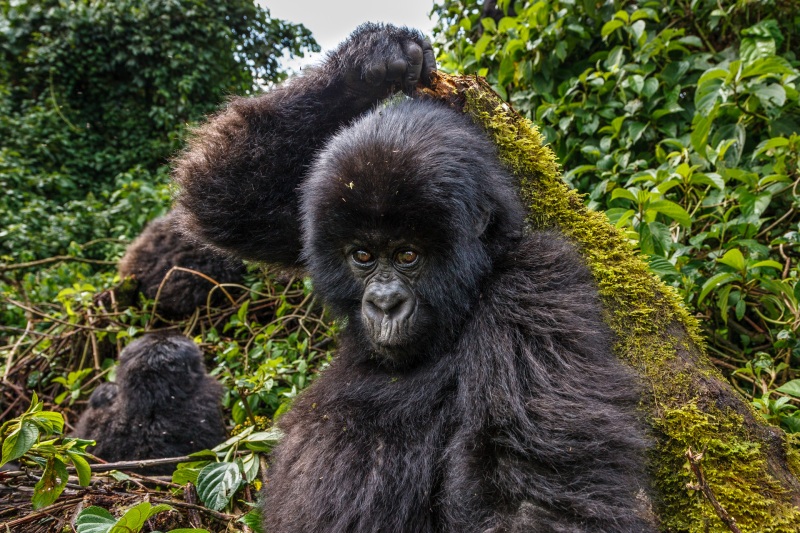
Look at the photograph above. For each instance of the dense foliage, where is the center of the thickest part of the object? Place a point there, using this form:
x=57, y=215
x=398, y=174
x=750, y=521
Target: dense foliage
x=680, y=121
x=94, y=97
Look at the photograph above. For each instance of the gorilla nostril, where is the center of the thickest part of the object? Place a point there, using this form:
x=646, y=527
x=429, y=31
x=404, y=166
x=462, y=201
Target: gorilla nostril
x=387, y=304
x=386, y=301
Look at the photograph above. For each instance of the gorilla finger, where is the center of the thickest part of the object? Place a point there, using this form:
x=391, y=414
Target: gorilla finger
x=428, y=62
x=396, y=69
x=415, y=61
x=375, y=74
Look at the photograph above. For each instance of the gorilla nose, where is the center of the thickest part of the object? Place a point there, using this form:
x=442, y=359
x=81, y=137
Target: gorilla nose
x=387, y=300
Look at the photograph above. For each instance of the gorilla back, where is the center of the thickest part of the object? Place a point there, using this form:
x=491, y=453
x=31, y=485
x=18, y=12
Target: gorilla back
x=475, y=388
x=163, y=404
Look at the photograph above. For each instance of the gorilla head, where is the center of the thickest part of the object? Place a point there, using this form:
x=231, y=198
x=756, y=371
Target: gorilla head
x=404, y=214
x=163, y=404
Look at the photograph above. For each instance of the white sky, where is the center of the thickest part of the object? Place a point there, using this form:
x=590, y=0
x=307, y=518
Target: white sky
x=331, y=22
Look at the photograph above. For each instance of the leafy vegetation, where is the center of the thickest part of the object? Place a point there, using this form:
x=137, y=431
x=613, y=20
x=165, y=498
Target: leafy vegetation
x=680, y=121
x=95, y=97
x=677, y=119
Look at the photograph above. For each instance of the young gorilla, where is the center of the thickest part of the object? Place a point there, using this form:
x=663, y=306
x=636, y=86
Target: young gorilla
x=160, y=247
x=163, y=404
x=475, y=388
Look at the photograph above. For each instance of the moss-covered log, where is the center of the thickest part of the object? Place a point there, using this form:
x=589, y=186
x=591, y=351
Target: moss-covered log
x=750, y=467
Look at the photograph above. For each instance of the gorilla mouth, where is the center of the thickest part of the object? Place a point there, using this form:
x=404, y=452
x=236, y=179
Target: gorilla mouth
x=391, y=336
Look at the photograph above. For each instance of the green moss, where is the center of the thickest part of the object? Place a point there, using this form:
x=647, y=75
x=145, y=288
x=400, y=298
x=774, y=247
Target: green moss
x=658, y=337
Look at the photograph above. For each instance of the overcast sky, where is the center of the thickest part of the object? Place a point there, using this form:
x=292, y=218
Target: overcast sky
x=331, y=22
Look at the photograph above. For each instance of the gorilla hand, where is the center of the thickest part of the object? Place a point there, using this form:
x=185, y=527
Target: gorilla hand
x=378, y=60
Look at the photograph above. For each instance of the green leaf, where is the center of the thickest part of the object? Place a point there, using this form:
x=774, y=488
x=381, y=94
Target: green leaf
x=252, y=520
x=768, y=263
x=672, y=210
x=133, y=520
x=610, y=27
x=741, y=307
x=711, y=89
x=623, y=193
x=506, y=73
x=217, y=483
x=734, y=259
x=481, y=45
x=49, y=421
x=773, y=66
x=662, y=267
x=792, y=388
x=771, y=96
x=51, y=485
x=94, y=519
x=82, y=468
x=714, y=282
x=19, y=441
x=701, y=125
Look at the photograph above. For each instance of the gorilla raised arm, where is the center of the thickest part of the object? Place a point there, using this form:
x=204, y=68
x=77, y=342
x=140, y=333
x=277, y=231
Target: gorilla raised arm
x=240, y=174
x=475, y=388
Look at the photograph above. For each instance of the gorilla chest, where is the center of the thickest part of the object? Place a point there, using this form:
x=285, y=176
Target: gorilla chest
x=359, y=466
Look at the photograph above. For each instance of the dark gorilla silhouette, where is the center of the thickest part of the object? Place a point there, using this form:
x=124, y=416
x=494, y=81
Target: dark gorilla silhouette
x=163, y=404
x=160, y=247
x=475, y=388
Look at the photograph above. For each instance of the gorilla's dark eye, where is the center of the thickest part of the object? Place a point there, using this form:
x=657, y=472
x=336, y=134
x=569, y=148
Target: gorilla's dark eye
x=362, y=257
x=406, y=257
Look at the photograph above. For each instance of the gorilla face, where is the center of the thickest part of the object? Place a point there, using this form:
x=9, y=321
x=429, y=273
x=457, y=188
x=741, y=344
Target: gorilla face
x=400, y=211
x=391, y=314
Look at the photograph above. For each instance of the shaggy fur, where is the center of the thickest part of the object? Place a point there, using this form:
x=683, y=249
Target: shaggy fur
x=159, y=248
x=509, y=412
x=163, y=404
x=239, y=176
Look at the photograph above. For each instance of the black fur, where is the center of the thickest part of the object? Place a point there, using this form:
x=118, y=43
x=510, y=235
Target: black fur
x=163, y=404
x=240, y=174
x=509, y=411
x=162, y=246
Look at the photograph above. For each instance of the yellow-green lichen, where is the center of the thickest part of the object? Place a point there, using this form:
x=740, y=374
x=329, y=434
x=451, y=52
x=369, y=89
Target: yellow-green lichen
x=658, y=337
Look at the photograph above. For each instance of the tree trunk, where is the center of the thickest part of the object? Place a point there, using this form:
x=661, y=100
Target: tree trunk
x=750, y=468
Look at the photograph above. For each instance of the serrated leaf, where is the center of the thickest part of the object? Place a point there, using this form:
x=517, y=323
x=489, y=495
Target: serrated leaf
x=792, y=388
x=133, y=520
x=19, y=441
x=94, y=519
x=734, y=259
x=217, y=483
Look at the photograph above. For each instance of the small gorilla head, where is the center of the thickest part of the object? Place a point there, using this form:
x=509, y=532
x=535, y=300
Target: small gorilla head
x=158, y=369
x=404, y=214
